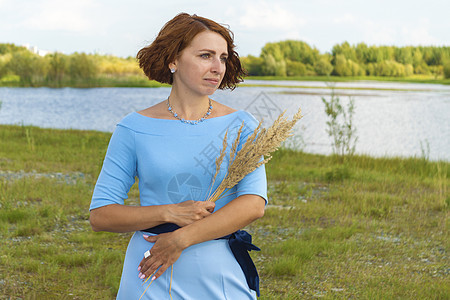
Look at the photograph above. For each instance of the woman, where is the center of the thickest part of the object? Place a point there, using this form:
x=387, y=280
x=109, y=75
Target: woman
x=171, y=147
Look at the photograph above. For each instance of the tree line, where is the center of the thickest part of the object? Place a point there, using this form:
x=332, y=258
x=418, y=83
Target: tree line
x=19, y=66
x=297, y=58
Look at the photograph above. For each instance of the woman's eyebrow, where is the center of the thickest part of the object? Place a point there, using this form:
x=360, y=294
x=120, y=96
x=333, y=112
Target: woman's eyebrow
x=212, y=51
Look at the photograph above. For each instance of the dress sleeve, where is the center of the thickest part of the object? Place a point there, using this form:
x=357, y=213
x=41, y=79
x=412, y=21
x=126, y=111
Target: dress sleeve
x=118, y=171
x=254, y=183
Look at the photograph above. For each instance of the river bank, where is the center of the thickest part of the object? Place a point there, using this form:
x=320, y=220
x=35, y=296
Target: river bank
x=142, y=81
x=369, y=228
x=410, y=79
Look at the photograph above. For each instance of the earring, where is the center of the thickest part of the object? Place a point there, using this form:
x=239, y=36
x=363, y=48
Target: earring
x=172, y=70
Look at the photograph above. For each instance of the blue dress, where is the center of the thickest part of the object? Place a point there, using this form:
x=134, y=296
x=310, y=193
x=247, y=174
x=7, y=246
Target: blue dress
x=175, y=162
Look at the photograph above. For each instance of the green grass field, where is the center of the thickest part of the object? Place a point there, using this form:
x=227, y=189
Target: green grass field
x=366, y=228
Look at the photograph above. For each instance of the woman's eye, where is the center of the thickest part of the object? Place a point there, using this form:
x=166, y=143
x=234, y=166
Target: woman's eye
x=205, y=55
x=224, y=59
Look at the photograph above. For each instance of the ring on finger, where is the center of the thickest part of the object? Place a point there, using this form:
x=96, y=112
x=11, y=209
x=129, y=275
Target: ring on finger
x=147, y=254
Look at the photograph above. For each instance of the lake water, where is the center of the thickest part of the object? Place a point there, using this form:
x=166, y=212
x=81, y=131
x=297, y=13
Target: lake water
x=391, y=119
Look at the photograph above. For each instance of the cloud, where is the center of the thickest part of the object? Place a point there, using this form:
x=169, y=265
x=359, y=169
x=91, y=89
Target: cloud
x=419, y=35
x=261, y=15
x=378, y=33
x=345, y=19
x=395, y=33
x=60, y=15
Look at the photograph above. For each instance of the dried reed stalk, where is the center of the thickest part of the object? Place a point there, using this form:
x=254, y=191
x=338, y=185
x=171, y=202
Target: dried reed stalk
x=254, y=152
x=170, y=286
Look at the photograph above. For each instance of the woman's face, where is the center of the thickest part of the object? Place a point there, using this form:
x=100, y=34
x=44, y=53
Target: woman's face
x=201, y=66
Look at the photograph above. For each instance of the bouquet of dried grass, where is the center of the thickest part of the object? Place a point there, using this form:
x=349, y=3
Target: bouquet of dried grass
x=253, y=153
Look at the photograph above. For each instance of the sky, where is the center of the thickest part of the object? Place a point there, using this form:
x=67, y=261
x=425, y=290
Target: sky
x=121, y=28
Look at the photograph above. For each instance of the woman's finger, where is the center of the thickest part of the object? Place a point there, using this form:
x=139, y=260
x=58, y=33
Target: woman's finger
x=160, y=271
x=148, y=266
x=145, y=263
x=143, y=267
x=141, y=264
x=150, y=238
x=209, y=206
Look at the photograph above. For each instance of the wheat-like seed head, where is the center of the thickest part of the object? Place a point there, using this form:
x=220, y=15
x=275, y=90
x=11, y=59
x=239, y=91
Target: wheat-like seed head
x=236, y=143
x=219, y=160
x=221, y=155
x=254, y=152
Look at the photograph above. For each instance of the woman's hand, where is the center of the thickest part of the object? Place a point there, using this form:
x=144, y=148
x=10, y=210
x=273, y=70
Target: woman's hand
x=188, y=212
x=164, y=253
x=168, y=246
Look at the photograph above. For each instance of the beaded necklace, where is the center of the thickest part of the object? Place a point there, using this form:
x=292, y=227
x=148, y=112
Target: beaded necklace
x=192, y=122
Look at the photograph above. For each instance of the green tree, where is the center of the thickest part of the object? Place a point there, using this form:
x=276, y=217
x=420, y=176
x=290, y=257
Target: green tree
x=390, y=68
x=10, y=48
x=417, y=58
x=370, y=69
x=289, y=58
x=58, y=68
x=4, y=60
x=345, y=50
x=82, y=67
x=403, y=55
x=273, y=67
x=447, y=69
x=361, y=51
x=30, y=67
x=295, y=68
x=429, y=56
x=385, y=53
x=409, y=70
x=274, y=50
x=355, y=68
x=371, y=55
x=299, y=51
x=253, y=65
x=420, y=66
x=347, y=67
x=341, y=67
x=323, y=66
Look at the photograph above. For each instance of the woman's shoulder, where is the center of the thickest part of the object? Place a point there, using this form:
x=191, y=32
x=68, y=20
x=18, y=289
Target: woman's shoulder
x=134, y=121
x=247, y=118
x=224, y=110
x=157, y=111
x=139, y=120
x=220, y=110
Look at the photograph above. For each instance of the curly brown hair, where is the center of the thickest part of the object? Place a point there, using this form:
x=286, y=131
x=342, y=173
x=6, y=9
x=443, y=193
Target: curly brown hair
x=176, y=35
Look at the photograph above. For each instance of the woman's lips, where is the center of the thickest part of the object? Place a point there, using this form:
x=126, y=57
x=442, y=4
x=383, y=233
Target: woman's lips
x=212, y=80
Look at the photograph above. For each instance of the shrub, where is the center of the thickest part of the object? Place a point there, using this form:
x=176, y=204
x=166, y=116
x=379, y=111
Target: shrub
x=447, y=69
x=340, y=125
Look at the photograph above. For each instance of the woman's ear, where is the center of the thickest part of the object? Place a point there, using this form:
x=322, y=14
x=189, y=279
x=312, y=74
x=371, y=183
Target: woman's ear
x=173, y=66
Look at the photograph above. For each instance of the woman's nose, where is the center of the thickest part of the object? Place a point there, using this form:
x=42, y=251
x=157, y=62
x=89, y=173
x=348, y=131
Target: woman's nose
x=217, y=66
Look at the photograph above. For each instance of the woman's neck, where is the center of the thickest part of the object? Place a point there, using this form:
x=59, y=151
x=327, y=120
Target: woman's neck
x=189, y=107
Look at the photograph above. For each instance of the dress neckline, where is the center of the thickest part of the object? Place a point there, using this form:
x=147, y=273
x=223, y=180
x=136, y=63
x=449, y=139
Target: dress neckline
x=175, y=120
x=154, y=126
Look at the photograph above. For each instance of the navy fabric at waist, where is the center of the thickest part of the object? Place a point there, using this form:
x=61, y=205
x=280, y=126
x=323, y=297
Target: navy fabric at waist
x=240, y=243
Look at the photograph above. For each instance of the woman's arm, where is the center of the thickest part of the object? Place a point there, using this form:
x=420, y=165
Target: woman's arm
x=234, y=216
x=168, y=246
x=121, y=218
